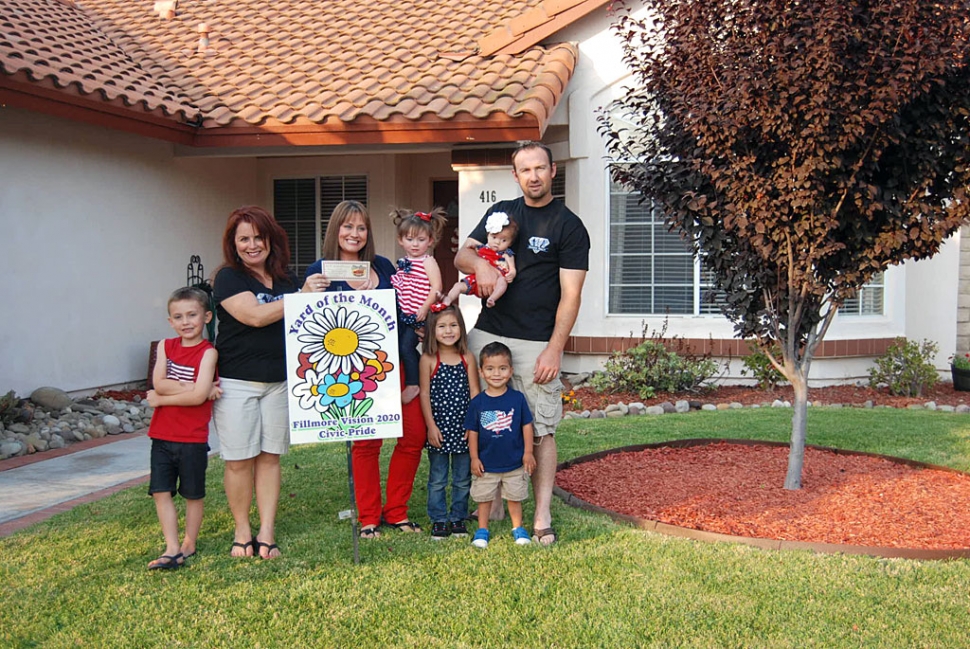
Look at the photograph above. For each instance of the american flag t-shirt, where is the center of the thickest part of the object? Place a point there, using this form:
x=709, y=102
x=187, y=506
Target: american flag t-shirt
x=179, y=372
x=497, y=421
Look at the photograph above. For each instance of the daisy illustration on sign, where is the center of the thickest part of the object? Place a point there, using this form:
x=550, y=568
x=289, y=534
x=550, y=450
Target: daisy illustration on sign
x=341, y=348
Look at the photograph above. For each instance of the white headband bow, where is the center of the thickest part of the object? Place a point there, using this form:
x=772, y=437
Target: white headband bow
x=496, y=221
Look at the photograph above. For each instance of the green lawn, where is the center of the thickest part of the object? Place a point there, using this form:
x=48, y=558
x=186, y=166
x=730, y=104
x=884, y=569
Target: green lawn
x=80, y=578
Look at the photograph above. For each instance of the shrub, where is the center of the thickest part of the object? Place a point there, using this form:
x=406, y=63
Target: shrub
x=757, y=365
x=906, y=368
x=658, y=364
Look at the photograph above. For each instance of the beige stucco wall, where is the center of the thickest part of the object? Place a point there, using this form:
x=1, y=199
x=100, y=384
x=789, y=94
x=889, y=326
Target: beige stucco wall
x=97, y=229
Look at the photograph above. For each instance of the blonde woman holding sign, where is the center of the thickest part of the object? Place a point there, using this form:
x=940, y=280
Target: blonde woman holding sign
x=348, y=239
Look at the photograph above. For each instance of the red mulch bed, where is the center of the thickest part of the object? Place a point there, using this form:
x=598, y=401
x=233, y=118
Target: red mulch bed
x=737, y=489
x=942, y=394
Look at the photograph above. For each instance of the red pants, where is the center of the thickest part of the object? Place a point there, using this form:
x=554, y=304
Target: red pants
x=365, y=458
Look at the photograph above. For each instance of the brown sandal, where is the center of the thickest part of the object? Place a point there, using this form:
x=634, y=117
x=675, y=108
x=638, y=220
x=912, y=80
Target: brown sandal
x=538, y=535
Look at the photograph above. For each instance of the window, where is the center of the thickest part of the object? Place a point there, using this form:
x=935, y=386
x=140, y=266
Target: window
x=302, y=206
x=652, y=271
x=559, y=183
x=869, y=301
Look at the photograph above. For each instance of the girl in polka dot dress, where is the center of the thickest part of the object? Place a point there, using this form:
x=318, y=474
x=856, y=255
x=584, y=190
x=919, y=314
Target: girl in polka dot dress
x=448, y=376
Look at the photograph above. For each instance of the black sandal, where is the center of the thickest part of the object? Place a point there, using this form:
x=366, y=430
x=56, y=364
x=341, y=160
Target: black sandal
x=258, y=545
x=368, y=533
x=167, y=562
x=406, y=526
x=238, y=544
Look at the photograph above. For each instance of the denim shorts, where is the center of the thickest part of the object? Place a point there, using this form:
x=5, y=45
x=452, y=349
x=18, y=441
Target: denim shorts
x=179, y=463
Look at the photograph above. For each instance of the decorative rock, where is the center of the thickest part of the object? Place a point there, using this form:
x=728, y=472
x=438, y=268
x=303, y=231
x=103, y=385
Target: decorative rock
x=835, y=405
x=655, y=410
x=777, y=404
x=709, y=406
x=963, y=408
x=57, y=441
x=682, y=406
x=114, y=430
x=722, y=406
x=95, y=433
x=668, y=407
x=134, y=412
x=110, y=420
x=914, y=406
x=51, y=398
x=597, y=414
x=636, y=409
x=617, y=410
x=946, y=408
x=18, y=427
x=735, y=405
x=128, y=428
x=694, y=405
x=10, y=448
x=868, y=404
x=930, y=405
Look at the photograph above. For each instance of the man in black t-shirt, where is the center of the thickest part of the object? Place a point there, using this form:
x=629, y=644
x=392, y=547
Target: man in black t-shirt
x=538, y=310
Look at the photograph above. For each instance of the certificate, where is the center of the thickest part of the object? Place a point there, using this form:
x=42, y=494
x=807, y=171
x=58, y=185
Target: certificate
x=346, y=270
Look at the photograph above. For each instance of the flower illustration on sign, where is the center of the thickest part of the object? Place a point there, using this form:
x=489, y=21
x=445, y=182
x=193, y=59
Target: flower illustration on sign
x=340, y=341
x=341, y=364
x=380, y=365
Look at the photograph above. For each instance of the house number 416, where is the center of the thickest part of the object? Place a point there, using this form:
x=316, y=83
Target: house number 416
x=488, y=196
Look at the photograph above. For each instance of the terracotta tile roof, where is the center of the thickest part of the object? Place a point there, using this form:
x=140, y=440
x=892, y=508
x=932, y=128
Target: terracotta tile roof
x=57, y=45
x=526, y=29
x=291, y=66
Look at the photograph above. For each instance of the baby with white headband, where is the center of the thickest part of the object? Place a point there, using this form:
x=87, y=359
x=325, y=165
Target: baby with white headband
x=501, y=231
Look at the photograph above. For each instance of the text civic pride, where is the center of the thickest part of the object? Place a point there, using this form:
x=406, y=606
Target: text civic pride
x=342, y=368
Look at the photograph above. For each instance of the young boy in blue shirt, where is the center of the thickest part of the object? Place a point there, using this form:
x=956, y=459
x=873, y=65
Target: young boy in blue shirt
x=500, y=431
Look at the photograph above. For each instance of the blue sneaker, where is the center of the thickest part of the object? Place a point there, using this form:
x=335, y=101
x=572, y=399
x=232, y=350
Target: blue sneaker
x=480, y=540
x=521, y=536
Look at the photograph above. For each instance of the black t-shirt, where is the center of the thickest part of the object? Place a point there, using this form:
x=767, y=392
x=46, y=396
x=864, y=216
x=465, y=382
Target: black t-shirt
x=550, y=237
x=250, y=353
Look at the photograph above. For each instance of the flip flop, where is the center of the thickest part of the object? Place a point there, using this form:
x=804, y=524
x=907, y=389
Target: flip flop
x=237, y=544
x=406, y=526
x=258, y=545
x=538, y=535
x=166, y=562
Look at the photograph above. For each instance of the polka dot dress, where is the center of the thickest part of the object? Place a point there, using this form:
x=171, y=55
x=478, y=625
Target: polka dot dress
x=449, y=402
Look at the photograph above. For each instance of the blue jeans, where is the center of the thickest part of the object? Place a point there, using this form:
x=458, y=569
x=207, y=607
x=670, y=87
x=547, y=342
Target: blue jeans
x=461, y=483
x=410, y=356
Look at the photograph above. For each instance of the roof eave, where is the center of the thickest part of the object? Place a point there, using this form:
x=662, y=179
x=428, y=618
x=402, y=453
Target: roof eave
x=34, y=97
x=497, y=127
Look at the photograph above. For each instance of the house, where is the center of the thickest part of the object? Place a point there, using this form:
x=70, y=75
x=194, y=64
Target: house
x=129, y=129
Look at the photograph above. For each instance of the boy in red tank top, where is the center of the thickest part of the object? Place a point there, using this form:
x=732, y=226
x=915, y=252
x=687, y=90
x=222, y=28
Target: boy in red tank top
x=185, y=386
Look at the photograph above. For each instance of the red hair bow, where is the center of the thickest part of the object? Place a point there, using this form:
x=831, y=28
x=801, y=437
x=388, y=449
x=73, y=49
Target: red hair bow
x=438, y=307
x=424, y=216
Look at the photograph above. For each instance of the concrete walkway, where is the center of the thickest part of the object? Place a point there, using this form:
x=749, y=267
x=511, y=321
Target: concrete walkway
x=38, y=490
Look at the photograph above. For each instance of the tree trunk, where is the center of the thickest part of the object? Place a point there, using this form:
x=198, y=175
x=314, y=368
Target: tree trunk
x=796, y=452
